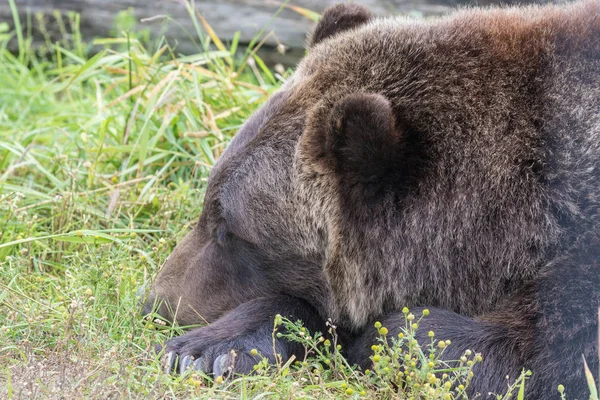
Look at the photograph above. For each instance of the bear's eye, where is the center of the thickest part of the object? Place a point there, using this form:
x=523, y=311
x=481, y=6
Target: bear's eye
x=222, y=234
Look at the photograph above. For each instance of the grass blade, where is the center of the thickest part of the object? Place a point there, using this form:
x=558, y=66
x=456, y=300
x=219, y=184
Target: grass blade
x=18, y=30
x=590, y=380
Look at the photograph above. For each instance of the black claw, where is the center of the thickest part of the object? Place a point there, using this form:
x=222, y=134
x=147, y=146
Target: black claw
x=198, y=364
x=184, y=363
x=171, y=361
x=221, y=366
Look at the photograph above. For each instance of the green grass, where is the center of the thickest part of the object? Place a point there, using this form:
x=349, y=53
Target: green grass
x=103, y=163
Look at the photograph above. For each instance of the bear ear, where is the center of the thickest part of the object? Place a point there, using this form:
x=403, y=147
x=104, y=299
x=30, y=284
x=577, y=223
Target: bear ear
x=338, y=18
x=361, y=137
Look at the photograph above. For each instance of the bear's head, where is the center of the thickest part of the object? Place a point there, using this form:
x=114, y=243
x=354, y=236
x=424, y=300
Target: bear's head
x=264, y=227
x=386, y=160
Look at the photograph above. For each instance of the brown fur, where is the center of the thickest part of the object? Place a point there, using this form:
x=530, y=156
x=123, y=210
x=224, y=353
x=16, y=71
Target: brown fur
x=451, y=163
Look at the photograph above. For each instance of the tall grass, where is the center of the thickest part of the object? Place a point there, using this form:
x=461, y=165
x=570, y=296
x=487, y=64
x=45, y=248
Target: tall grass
x=103, y=163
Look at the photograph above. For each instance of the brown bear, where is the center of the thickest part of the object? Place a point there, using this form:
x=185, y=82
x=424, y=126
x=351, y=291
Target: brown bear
x=451, y=163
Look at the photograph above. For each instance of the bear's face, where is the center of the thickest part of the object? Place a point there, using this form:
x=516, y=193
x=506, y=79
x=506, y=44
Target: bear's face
x=263, y=228
x=272, y=202
x=256, y=222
